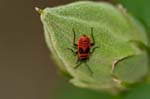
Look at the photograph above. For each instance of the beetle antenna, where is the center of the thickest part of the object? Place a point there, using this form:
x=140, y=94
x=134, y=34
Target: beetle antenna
x=92, y=36
x=74, y=37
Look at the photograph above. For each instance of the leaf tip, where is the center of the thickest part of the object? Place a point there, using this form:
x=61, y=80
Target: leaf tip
x=40, y=11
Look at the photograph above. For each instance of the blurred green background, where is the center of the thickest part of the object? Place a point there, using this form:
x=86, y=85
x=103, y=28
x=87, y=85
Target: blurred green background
x=26, y=70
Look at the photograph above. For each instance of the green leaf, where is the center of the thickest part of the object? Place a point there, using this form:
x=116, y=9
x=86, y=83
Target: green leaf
x=132, y=68
x=140, y=10
x=141, y=92
x=113, y=31
x=67, y=91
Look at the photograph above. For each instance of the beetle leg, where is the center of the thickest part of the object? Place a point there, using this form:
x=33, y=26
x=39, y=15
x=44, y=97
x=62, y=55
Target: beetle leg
x=75, y=47
x=88, y=67
x=78, y=61
x=92, y=37
x=74, y=52
x=74, y=44
x=93, y=49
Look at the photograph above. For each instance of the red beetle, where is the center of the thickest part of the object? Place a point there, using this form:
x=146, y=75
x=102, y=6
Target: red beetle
x=83, y=48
